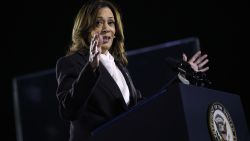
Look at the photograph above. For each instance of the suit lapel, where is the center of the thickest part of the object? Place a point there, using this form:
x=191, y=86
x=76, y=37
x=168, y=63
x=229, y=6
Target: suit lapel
x=129, y=82
x=109, y=83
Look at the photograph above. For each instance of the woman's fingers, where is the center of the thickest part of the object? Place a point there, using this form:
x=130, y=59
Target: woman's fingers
x=202, y=63
x=95, y=50
x=195, y=56
x=204, y=69
x=95, y=44
x=197, y=62
x=200, y=59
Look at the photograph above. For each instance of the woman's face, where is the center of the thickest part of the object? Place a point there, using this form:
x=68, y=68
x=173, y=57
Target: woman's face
x=105, y=25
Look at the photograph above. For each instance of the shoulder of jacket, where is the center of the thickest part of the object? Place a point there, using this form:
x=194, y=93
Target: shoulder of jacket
x=74, y=58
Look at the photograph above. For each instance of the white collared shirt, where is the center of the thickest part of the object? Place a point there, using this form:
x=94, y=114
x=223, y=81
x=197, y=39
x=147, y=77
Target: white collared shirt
x=109, y=63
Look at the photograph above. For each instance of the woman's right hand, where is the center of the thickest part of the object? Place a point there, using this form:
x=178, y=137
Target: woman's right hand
x=95, y=51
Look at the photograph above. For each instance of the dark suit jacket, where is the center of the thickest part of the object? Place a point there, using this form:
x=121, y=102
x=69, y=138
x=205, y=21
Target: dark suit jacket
x=88, y=99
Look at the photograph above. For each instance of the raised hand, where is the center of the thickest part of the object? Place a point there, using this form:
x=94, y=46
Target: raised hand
x=197, y=61
x=95, y=51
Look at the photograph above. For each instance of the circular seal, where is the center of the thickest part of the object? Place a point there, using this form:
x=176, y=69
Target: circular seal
x=220, y=123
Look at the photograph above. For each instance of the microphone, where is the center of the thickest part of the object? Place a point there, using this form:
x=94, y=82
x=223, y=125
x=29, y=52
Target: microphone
x=180, y=66
x=184, y=68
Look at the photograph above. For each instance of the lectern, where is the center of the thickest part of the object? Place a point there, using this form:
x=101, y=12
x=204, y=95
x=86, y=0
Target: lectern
x=180, y=113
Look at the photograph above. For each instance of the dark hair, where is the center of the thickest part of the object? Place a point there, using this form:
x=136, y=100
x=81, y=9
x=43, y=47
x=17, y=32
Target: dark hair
x=85, y=21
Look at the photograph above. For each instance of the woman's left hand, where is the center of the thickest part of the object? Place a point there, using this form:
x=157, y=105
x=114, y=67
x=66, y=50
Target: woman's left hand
x=197, y=61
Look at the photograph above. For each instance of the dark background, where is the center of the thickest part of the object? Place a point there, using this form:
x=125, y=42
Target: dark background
x=39, y=32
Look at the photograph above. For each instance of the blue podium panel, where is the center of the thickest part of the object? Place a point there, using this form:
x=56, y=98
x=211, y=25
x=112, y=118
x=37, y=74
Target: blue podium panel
x=196, y=102
x=180, y=113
